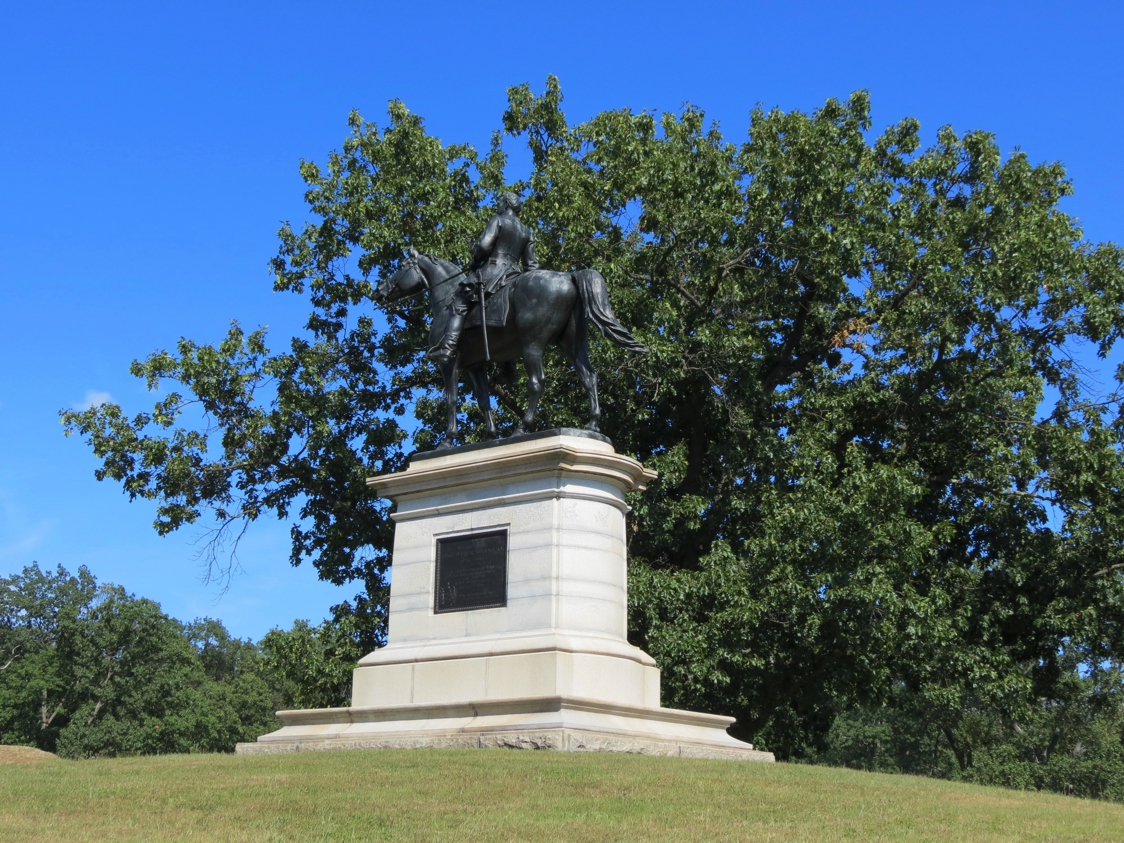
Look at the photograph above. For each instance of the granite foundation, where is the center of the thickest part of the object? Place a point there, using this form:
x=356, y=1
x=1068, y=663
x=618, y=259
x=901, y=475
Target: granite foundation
x=551, y=668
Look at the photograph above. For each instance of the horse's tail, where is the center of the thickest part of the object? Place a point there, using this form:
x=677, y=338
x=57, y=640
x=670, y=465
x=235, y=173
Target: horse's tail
x=594, y=297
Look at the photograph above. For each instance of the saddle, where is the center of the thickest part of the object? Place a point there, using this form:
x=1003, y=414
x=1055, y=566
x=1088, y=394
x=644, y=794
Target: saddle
x=496, y=307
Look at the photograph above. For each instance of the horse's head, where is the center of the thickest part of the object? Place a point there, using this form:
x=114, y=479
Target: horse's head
x=406, y=281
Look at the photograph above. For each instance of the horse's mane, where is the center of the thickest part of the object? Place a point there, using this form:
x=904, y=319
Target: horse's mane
x=447, y=269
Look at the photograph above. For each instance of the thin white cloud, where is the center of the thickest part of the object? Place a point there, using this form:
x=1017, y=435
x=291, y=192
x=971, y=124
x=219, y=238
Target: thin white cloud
x=94, y=398
x=19, y=548
x=21, y=535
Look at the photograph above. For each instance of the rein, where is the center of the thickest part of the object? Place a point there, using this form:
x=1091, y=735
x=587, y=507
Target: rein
x=412, y=263
x=436, y=285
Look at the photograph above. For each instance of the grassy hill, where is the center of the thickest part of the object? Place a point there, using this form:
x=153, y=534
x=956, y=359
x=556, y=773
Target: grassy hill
x=493, y=795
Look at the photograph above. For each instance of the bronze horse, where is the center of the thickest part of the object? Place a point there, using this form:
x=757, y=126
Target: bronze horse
x=545, y=308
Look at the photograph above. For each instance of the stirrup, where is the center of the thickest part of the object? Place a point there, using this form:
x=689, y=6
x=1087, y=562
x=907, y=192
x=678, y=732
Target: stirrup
x=442, y=352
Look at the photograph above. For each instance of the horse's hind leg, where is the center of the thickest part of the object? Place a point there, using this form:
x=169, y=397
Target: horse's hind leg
x=532, y=362
x=575, y=342
x=449, y=376
x=483, y=393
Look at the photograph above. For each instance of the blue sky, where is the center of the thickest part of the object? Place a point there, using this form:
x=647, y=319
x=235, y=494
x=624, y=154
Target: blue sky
x=149, y=153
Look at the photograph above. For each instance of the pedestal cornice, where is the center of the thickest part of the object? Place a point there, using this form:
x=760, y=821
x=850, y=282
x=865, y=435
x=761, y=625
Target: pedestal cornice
x=560, y=456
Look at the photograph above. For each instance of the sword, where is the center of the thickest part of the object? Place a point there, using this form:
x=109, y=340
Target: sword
x=484, y=323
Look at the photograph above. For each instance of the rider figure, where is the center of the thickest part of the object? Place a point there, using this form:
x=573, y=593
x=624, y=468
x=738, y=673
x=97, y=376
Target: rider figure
x=496, y=258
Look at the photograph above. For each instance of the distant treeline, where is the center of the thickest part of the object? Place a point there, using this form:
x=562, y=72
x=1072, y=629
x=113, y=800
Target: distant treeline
x=1072, y=745
x=89, y=670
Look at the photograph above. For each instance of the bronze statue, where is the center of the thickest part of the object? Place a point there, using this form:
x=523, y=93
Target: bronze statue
x=505, y=244
x=519, y=314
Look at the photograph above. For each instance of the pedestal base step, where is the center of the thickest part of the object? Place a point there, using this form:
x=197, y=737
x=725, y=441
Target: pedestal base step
x=558, y=723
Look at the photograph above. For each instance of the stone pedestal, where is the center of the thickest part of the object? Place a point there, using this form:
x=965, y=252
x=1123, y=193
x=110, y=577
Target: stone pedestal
x=532, y=528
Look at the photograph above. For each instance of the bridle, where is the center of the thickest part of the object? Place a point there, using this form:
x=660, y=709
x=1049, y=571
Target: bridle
x=411, y=262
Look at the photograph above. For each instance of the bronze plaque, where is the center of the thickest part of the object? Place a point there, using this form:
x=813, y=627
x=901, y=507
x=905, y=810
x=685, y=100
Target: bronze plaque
x=471, y=572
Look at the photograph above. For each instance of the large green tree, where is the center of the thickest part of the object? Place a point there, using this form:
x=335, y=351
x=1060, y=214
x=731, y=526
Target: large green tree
x=880, y=466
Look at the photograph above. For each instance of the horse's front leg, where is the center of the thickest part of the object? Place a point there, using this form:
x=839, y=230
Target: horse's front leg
x=449, y=376
x=483, y=392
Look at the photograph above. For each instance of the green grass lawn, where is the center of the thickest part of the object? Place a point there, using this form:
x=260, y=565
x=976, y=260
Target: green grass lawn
x=486, y=795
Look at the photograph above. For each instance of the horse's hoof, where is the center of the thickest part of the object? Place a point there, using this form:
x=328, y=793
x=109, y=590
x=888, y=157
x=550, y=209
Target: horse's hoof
x=519, y=431
x=593, y=427
x=445, y=444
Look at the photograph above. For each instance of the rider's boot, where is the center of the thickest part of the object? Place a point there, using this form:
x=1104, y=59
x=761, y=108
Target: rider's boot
x=446, y=350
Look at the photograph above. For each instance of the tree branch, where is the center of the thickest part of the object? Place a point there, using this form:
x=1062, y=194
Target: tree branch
x=1109, y=569
x=687, y=294
x=15, y=651
x=784, y=367
x=505, y=398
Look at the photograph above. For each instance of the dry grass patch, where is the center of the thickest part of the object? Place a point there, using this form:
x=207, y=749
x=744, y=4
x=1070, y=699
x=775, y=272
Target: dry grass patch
x=496, y=795
x=23, y=755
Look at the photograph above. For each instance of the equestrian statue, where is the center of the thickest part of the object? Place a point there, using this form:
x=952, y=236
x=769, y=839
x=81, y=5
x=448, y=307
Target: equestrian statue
x=503, y=307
